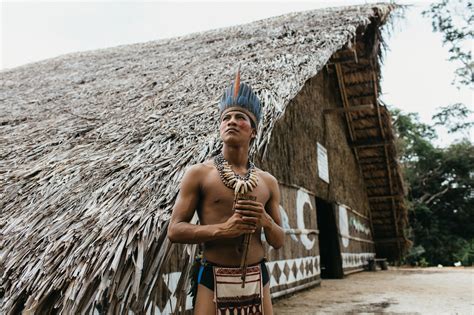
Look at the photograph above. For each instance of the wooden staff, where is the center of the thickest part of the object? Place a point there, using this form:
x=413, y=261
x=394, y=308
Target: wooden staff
x=243, y=261
x=246, y=240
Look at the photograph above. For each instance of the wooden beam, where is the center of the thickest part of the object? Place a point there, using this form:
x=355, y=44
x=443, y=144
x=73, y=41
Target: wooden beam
x=358, y=68
x=376, y=100
x=389, y=171
x=362, y=95
x=366, y=118
x=348, y=55
x=349, y=60
x=334, y=61
x=357, y=213
x=358, y=83
x=368, y=144
x=340, y=110
x=358, y=239
x=345, y=101
x=366, y=128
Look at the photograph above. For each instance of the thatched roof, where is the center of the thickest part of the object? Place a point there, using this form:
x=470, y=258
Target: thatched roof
x=94, y=144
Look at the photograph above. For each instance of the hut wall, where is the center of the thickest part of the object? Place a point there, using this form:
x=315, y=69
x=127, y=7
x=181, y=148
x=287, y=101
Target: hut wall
x=292, y=155
x=293, y=159
x=355, y=238
x=296, y=265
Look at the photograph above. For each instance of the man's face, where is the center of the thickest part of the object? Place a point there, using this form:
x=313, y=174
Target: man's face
x=236, y=128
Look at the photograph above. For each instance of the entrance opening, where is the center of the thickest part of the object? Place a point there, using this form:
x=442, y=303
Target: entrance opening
x=329, y=251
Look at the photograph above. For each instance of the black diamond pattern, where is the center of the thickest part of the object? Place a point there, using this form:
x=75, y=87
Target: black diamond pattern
x=286, y=270
x=276, y=273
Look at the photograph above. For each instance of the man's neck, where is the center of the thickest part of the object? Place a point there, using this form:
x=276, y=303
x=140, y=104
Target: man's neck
x=237, y=156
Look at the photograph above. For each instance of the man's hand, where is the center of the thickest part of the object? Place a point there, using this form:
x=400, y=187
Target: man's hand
x=253, y=212
x=237, y=225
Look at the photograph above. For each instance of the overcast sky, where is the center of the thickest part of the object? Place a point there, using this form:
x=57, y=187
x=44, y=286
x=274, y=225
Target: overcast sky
x=416, y=74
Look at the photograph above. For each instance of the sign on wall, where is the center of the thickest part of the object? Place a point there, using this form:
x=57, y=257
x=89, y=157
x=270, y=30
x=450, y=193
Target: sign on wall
x=323, y=168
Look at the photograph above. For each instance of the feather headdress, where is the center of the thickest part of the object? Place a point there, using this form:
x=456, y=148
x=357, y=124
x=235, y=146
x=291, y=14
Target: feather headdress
x=239, y=96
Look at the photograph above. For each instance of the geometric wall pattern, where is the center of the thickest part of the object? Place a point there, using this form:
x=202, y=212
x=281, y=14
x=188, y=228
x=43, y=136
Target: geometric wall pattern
x=351, y=260
x=291, y=270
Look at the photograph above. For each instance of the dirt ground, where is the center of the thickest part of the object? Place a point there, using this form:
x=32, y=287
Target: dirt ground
x=396, y=291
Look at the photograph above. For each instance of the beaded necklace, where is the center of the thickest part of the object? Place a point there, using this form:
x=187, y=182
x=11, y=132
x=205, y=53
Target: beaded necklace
x=239, y=184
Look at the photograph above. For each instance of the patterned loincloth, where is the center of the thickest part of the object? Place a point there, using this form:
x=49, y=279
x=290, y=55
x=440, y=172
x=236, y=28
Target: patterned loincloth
x=231, y=298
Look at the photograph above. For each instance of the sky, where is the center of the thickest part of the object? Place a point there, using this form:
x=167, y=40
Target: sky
x=416, y=76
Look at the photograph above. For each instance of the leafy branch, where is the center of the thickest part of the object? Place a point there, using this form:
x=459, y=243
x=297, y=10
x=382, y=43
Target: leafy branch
x=454, y=18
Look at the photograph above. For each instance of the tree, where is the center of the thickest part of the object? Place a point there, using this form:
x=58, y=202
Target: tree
x=454, y=18
x=441, y=191
x=454, y=118
x=441, y=180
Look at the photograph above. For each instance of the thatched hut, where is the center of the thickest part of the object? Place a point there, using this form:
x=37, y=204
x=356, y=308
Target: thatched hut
x=94, y=144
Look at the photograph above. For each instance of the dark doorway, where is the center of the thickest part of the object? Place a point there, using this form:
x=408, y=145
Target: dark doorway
x=329, y=251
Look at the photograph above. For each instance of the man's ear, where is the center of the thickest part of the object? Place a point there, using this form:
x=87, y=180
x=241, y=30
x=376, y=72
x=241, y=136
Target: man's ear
x=254, y=133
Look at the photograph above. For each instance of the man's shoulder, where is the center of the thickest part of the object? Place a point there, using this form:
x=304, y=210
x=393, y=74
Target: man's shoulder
x=200, y=168
x=270, y=182
x=195, y=174
x=267, y=177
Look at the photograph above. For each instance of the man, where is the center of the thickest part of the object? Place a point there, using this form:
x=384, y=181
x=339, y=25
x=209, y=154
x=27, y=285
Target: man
x=221, y=191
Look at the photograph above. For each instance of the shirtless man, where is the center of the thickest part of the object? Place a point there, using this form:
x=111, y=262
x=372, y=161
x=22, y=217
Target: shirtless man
x=222, y=229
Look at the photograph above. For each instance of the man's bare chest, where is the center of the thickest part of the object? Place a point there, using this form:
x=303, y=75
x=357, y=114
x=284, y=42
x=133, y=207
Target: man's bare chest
x=216, y=202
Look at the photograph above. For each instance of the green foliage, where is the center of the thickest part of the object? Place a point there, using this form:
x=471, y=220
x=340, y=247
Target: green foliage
x=454, y=19
x=466, y=253
x=423, y=262
x=453, y=118
x=441, y=191
x=414, y=137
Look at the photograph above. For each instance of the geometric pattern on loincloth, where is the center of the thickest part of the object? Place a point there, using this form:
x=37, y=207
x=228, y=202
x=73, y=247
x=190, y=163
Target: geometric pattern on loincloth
x=229, y=295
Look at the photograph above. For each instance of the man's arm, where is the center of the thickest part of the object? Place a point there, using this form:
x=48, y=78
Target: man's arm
x=274, y=233
x=181, y=231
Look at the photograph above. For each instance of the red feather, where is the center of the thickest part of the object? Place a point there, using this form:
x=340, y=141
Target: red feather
x=237, y=83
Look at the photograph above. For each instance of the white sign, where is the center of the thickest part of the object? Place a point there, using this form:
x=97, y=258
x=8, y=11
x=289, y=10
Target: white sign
x=323, y=168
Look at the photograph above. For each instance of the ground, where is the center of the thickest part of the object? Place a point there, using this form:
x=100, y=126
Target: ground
x=395, y=291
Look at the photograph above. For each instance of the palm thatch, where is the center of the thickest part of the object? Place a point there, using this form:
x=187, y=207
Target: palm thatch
x=94, y=144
